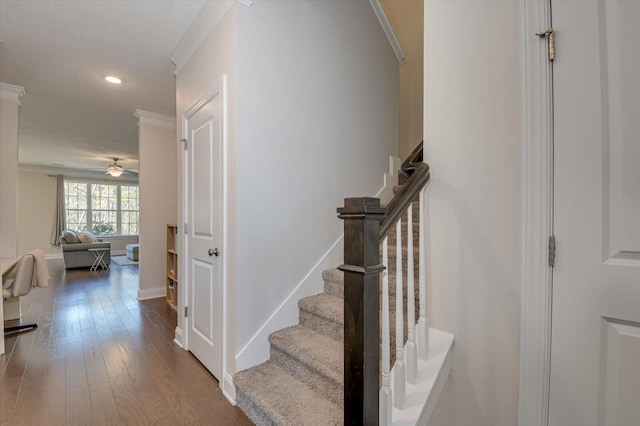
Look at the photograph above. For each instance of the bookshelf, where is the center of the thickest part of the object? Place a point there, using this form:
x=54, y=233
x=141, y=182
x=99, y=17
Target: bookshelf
x=172, y=266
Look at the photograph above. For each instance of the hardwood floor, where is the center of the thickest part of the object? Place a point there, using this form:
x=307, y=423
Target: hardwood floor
x=99, y=356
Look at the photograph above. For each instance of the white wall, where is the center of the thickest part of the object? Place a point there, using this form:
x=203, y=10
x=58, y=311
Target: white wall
x=36, y=208
x=406, y=18
x=317, y=120
x=473, y=135
x=158, y=198
x=8, y=175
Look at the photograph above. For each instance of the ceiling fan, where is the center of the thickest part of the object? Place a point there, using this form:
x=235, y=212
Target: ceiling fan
x=116, y=169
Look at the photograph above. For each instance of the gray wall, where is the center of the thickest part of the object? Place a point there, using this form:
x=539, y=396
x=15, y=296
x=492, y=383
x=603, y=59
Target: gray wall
x=317, y=118
x=473, y=142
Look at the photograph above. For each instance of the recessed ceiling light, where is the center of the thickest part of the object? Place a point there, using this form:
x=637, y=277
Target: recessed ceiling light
x=113, y=79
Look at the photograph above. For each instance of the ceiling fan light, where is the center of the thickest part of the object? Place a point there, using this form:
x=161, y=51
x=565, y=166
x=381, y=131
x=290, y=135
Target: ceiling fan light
x=115, y=170
x=113, y=79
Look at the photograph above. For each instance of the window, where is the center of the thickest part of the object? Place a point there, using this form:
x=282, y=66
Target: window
x=105, y=209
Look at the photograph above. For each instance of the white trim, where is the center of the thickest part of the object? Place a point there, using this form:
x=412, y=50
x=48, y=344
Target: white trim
x=11, y=92
x=432, y=376
x=388, y=29
x=226, y=233
x=256, y=350
x=154, y=119
x=537, y=220
x=53, y=256
x=152, y=293
x=228, y=388
x=179, y=337
x=286, y=314
x=208, y=18
x=84, y=175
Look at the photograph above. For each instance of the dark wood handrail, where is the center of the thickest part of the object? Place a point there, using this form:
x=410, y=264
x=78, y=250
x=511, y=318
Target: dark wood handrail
x=419, y=175
x=366, y=223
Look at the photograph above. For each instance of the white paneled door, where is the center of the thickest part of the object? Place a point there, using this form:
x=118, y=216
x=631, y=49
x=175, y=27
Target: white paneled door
x=595, y=349
x=204, y=131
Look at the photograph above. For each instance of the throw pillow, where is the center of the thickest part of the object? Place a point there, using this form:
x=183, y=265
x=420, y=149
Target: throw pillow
x=70, y=236
x=87, y=237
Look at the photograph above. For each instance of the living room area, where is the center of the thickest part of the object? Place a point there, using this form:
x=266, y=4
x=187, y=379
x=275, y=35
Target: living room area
x=88, y=177
x=88, y=163
x=89, y=219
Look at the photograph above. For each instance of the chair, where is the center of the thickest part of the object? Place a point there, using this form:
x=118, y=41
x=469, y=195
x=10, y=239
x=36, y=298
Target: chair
x=29, y=271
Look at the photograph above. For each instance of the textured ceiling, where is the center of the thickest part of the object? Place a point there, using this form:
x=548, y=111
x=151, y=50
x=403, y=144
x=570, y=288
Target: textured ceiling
x=60, y=52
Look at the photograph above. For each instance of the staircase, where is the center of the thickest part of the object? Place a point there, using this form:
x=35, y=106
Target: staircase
x=302, y=382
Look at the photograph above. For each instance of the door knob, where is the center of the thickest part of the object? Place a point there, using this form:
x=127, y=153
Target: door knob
x=214, y=251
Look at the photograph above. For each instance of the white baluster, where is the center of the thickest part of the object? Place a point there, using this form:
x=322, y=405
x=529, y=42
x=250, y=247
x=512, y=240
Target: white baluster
x=412, y=350
x=386, y=407
x=399, y=375
x=423, y=327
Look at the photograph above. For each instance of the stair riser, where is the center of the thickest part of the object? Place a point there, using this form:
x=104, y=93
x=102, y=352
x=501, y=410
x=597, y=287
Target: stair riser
x=334, y=288
x=320, y=383
x=325, y=326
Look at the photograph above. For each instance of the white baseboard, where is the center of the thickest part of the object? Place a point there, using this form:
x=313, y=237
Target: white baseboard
x=228, y=388
x=432, y=376
x=256, y=350
x=179, y=338
x=390, y=180
x=151, y=293
x=118, y=252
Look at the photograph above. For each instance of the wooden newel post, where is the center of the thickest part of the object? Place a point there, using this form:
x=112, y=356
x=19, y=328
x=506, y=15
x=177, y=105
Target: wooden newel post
x=361, y=309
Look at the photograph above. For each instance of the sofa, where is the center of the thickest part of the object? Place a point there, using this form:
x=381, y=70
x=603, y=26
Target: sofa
x=75, y=249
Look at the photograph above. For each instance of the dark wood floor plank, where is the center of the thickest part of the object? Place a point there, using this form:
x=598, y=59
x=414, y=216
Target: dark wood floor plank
x=9, y=391
x=101, y=357
x=54, y=399
x=77, y=385
x=103, y=408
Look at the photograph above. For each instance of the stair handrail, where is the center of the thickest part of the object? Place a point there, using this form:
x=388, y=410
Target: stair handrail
x=366, y=224
x=419, y=175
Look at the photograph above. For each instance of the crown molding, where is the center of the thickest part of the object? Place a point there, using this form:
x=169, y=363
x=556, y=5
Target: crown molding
x=154, y=119
x=388, y=29
x=75, y=173
x=208, y=18
x=11, y=92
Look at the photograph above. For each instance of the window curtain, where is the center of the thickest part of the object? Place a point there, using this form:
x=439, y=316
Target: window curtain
x=59, y=219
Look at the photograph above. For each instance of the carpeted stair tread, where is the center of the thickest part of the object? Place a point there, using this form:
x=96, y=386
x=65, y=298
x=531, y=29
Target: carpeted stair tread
x=319, y=352
x=323, y=314
x=324, y=305
x=302, y=382
x=314, y=359
x=271, y=396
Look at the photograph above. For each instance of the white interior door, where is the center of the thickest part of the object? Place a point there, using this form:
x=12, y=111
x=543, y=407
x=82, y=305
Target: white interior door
x=595, y=349
x=204, y=125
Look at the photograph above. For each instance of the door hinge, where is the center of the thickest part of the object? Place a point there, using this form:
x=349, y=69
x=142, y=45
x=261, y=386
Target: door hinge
x=551, y=45
x=186, y=229
x=186, y=311
x=184, y=143
x=552, y=251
